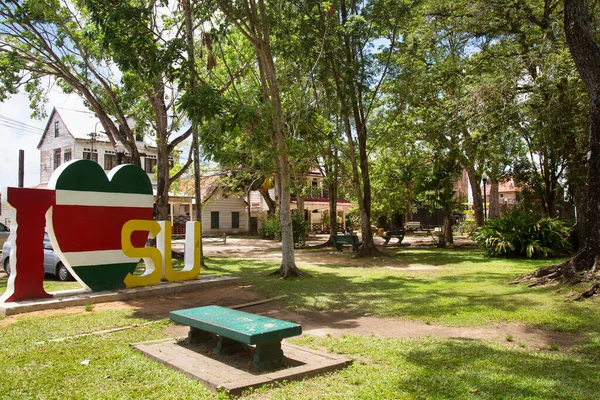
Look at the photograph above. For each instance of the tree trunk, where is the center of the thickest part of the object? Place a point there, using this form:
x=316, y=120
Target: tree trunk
x=331, y=172
x=447, y=227
x=332, y=190
x=189, y=33
x=259, y=37
x=494, y=201
x=156, y=99
x=362, y=184
x=475, y=181
x=300, y=206
x=271, y=204
x=249, y=210
x=586, y=54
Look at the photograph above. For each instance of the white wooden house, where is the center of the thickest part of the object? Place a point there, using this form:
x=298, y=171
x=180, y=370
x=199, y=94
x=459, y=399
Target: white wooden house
x=221, y=212
x=72, y=135
x=75, y=135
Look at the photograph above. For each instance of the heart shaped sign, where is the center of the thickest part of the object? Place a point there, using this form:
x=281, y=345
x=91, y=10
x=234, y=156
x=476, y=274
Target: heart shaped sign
x=86, y=222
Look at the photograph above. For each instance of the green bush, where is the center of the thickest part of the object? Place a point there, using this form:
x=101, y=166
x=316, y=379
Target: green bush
x=271, y=228
x=521, y=233
x=300, y=228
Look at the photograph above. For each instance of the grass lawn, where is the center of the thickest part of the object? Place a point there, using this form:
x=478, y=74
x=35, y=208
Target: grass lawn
x=50, y=284
x=465, y=289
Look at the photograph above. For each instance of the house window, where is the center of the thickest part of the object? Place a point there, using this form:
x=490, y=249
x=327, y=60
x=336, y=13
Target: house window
x=235, y=219
x=56, y=128
x=89, y=155
x=149, y=164
x=110, y=161
x=67, y=155
x=56, y=158
x=501, y=195
x=214, y=220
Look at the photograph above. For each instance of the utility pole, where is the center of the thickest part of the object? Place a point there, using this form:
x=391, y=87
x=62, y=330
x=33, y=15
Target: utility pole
x=21, y=168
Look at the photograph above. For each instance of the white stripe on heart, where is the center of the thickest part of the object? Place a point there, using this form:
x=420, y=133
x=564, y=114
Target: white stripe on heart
x=100, y=257
x=103, y=199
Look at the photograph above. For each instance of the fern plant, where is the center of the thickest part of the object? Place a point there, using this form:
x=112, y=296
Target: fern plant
x=520, y=233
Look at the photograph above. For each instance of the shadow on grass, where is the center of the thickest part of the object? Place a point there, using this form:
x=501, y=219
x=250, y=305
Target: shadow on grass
x=471, y=298
x=452, y=369
x=496, y=372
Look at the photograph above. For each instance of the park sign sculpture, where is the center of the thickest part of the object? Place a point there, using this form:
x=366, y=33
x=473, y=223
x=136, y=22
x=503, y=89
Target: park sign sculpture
x=98, y=225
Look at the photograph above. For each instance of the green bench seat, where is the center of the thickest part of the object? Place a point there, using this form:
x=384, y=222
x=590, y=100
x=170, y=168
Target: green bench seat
x=236, y=329
x=340, y=240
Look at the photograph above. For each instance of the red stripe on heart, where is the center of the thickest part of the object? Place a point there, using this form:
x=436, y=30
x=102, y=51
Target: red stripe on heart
x=91, y=228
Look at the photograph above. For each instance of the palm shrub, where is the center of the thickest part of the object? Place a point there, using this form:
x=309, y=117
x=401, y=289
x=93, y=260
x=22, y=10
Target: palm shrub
x=521, y=233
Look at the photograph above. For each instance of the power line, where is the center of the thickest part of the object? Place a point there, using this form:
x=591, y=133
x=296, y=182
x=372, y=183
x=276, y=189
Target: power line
x=15, y=123
x=21, y=130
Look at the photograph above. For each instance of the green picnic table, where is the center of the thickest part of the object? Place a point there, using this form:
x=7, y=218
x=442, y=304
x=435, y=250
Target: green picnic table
x=236, y=329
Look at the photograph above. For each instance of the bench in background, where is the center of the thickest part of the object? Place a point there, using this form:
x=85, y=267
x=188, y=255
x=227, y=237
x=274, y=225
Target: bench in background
x=399, y=233
x=237, y=329
x=214, y=237
x=340, y=240
x=412, y=226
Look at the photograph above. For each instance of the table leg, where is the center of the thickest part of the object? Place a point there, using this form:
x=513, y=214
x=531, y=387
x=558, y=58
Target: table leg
x=228, y=346
x=196, y=335
x=268, y=356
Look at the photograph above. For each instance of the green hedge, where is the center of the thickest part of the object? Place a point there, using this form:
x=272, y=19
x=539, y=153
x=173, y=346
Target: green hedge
x=271, y=228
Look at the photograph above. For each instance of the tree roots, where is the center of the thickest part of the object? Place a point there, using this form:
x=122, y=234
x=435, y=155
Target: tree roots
x=325, y=245
x=368, y=252
x=568, y=272
x=290, y=272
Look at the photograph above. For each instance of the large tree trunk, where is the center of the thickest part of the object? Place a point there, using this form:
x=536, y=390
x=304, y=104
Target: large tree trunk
x=494, y=200
x=586, y=54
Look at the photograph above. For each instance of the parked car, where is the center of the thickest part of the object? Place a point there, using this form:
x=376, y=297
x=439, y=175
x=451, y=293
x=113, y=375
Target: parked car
x=52, y=264
x=4, y=232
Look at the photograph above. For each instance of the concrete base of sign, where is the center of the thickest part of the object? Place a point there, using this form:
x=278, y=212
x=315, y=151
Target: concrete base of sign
x=81, y=297
x=232, y=374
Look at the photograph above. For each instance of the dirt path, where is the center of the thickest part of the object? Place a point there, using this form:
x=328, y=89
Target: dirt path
x=322, y=324
x=319, y=323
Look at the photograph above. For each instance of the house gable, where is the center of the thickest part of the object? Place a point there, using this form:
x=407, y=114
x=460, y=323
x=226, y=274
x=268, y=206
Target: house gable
x=56, y=146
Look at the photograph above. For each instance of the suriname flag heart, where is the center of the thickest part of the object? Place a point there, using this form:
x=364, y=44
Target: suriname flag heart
x=86, y=222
